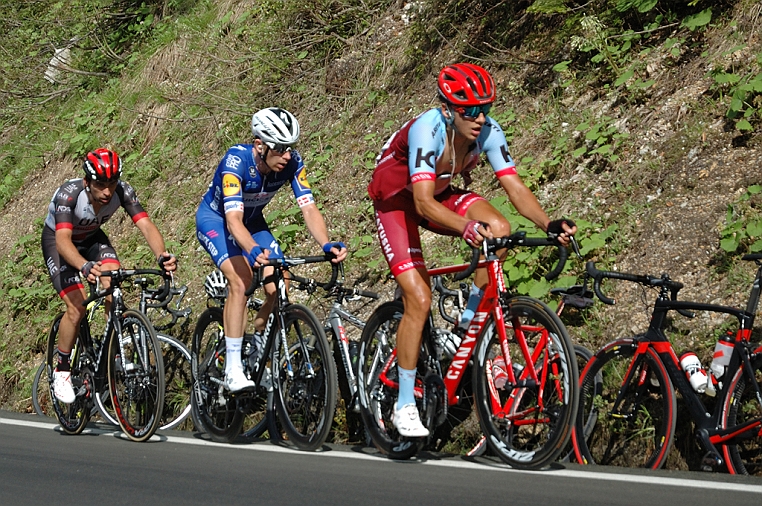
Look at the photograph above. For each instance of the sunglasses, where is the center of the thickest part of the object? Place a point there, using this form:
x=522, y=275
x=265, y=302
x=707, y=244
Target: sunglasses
x=280, y=148
x=473, y=112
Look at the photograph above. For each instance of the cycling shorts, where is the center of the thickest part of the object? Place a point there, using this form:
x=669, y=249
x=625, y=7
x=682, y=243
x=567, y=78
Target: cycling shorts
x=397, y=223
x=219, y=243
x=65, y=277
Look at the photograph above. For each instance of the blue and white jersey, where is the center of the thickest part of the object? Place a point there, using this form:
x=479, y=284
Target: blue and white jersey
x=239, y=186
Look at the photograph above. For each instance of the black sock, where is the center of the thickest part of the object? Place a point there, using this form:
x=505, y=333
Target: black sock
x=64, y=363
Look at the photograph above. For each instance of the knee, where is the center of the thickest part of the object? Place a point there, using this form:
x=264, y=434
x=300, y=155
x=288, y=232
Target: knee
x=417, y=303
x=75, y=313
x=236, y=287
x=499, y=227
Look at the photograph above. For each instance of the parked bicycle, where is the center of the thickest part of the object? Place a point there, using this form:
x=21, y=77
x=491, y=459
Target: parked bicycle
x=528, y=419
x=175, y=354
x=295, y=364
x=126, y=359
x=635, y=413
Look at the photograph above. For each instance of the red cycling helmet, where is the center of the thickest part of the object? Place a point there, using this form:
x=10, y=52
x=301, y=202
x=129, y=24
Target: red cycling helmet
x=464, y=84
x=103, y=165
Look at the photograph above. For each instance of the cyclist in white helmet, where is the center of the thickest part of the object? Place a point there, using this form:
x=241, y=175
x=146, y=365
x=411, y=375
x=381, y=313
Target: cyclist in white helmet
x=231, y=227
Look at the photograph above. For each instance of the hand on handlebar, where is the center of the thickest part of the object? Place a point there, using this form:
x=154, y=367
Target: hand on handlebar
x=475, y=233
x=257, y=257
x=337, y=249
x=563, y=230
x=91, y=271
x=167, y=261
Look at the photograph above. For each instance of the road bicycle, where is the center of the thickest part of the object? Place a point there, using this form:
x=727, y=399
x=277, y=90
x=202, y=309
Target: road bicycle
x=345, y=351
x=635, y=413
x=175, y=354
x=527, y=420
x=336, y=330
x=579, y=297
x=295, y=364
x=126, y=361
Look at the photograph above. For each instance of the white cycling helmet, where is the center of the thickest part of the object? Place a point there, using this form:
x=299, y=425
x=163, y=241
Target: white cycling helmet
x=275, y=126
x=216, y=285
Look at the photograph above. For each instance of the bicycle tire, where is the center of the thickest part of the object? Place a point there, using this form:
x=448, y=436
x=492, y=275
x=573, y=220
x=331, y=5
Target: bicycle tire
x=136, y=378
x=214, y=410
x=177, y=381
x=379, y=340
x=305, y=401
x=741, y=405
x=258, y=421
x=583, y=357
x=71, y=417
x=527, y=426
x=355, y=428
x=41, y=398
x=641, y=432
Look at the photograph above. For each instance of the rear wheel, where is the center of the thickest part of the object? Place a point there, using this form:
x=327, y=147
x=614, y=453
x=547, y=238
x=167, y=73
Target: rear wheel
x=136, y=376
x=741, y=406
x=305, y=382
x=628, y=424
x=72, y=417
x=527, y=423
x=177, y=381
x=215, y=410
x=41, y=401
x=583, y=357
x=377, y=382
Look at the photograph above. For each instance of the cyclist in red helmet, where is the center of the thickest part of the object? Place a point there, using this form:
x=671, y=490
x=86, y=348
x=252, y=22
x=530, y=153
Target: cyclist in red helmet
x=74, y=245
x=412, y=186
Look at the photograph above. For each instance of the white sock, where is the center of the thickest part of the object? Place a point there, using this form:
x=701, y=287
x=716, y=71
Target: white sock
x=233, y=347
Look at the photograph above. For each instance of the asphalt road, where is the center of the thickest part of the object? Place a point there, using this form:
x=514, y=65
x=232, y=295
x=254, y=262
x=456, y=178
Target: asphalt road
x=39, y=464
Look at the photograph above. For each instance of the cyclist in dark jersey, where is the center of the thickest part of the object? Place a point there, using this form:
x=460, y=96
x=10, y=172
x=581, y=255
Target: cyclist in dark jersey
x=231, y=227
x=412, y=187
x=74, y=244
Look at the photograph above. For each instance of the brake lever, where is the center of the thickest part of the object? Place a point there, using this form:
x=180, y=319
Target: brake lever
x=575, y=246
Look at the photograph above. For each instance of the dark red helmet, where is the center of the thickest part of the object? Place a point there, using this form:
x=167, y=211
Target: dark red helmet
x=464, y=84
x=103, y=165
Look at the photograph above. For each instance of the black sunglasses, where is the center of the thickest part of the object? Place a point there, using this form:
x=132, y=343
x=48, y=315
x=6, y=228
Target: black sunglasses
x=280, y=148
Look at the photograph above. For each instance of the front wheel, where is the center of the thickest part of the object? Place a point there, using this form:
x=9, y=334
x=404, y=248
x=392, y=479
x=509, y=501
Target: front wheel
x=741, y=406
x=304, y=378
x=136, y=376
x=377, y=384
x=626, y=421
x=527, y=417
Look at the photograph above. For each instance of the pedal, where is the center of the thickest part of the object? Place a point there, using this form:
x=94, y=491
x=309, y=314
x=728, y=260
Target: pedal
x=711, y=462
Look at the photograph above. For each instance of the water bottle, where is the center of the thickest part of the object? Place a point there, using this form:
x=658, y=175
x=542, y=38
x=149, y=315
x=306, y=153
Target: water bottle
x=721, y=358
x=447, y=342
x=499, y=374
x=695, y=373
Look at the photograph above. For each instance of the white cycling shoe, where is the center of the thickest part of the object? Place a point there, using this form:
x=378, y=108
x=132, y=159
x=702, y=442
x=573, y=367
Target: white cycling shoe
x=62, y=387
x=236, y=380
x=407, y=421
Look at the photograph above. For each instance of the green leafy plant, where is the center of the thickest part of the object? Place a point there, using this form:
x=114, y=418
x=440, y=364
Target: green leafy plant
x=743, y=224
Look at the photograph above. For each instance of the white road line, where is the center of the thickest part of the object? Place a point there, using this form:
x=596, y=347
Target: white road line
x=458, y=464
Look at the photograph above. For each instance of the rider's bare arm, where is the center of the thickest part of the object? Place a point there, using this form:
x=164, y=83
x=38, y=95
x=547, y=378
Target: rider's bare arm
x=317, y=228
x=155, y=241
x=524, y=200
